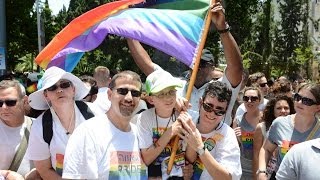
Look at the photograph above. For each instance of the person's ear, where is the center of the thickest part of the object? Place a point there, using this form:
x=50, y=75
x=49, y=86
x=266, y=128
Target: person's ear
x=200, y=103
x=109, y=92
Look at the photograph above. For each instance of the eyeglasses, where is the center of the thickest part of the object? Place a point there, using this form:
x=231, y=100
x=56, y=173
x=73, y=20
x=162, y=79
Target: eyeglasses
x=170, y=93
x=8, y=102
x=62, y=85
x=209, y=108
x=124, y=91
x=251, y=98
x=263, y=84
x=306, y=101
x=204, y=64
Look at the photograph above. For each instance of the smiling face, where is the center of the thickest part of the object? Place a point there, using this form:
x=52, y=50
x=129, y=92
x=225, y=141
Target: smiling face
x=304, y=109
x=164, y=101
x=123, y=97
x=210, y=120
x=281, y=108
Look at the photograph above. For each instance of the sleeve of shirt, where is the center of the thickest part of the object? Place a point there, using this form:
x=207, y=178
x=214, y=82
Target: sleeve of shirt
x=144, y=130
x=273, y=133
x=80, y=161
x=287, y=169
x=228, y=154
x=38, y=149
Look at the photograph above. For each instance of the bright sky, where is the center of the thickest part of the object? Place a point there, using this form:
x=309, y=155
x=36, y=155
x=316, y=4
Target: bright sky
x=56, y=5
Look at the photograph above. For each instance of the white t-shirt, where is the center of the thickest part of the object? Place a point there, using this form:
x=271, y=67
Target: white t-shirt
x=98, y=150
x=102, y=102
x=242, y=109
x=150, y=129
x=223, y=146
x=39, y=150
x=9, y=144
x=197, y=94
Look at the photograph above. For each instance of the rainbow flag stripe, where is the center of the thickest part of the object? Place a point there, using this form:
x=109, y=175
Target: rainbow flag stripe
x=172, y=26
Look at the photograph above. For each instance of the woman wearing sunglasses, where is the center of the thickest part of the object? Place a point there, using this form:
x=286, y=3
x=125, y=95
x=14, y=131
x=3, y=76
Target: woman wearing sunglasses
x=292, y=129
x=57, y=95
x=212, y=144
x=244, y=127
x=281, y=105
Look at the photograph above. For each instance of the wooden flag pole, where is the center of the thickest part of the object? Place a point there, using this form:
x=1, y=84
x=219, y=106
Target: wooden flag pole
x=191, y=83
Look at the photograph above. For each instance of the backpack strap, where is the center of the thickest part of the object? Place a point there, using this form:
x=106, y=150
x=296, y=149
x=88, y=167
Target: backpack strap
x=47, y=120
x=47, y=126
x=85, y=110
x=15, y=164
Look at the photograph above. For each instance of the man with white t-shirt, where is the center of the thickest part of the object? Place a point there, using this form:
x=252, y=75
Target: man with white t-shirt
x=106, y=146
x=14, y=129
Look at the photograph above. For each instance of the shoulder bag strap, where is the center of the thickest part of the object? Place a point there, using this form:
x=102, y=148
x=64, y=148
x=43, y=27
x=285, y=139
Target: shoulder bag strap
x=314, y=130
x=22, y=147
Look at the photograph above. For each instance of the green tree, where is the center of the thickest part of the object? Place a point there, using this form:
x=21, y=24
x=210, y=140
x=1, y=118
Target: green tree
x=21, y=30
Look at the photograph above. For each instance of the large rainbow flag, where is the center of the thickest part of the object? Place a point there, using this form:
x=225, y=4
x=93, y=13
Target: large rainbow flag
x=172, y=26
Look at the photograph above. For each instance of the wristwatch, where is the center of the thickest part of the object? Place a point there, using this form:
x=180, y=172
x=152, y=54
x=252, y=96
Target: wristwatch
x=201, y=151
x=259, y=171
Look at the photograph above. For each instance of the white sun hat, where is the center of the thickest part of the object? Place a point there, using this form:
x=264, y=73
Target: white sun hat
x=50, y=77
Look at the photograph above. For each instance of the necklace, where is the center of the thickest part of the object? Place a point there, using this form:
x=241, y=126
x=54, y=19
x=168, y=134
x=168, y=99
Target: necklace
x=71, y=120
x=172, y=117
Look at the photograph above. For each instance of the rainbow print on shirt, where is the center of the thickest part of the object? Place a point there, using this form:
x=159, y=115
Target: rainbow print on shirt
x=285, y=147
x=59, y=163
x=247, y=140
x=156, y=134
x=209, y=143
x=127, y=165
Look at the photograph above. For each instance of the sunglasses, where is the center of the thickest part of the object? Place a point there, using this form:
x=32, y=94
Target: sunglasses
x=251, y=98
x=8, y=102
x=306, y=101
x=166, y=94
x=209, y=108
x=204, y=64
x=62, y=85
x=263, y=84
x=124, y=91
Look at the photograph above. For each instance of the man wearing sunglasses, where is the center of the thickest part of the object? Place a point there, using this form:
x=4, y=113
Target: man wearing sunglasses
x=216, y=153
x=14, y=130
x=207, y=64
x=106, y=146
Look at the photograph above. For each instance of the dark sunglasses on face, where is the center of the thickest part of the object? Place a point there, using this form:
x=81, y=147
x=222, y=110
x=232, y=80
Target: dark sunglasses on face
x=209, y=108
x=62, y=85
x=263, y=84
x=8, y=102
x=306, y=101
x=252, y=98
x=124, y=91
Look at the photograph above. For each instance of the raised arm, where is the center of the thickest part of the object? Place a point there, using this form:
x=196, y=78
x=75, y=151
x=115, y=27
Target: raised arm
x=231, y=50
x=140, y=56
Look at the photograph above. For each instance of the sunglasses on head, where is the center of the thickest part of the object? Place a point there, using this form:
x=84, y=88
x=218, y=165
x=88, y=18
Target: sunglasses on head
x=251, y=98
x=124, y=91
x=263, y=84
x=306, y=101
x=209, y=108
x=62, y=85
x=8, y=102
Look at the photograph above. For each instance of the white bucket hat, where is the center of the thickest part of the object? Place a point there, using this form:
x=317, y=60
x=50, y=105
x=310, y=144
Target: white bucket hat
x=50, y=77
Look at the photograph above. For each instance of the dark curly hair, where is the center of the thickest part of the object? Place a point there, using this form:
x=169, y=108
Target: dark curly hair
x=218, y=89
x=268, y=113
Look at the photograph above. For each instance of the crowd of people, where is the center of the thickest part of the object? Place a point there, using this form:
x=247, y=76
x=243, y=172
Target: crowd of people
x=114, y=126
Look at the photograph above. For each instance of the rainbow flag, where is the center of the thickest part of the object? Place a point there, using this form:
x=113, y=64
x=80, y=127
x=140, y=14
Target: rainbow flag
x=172, y=26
